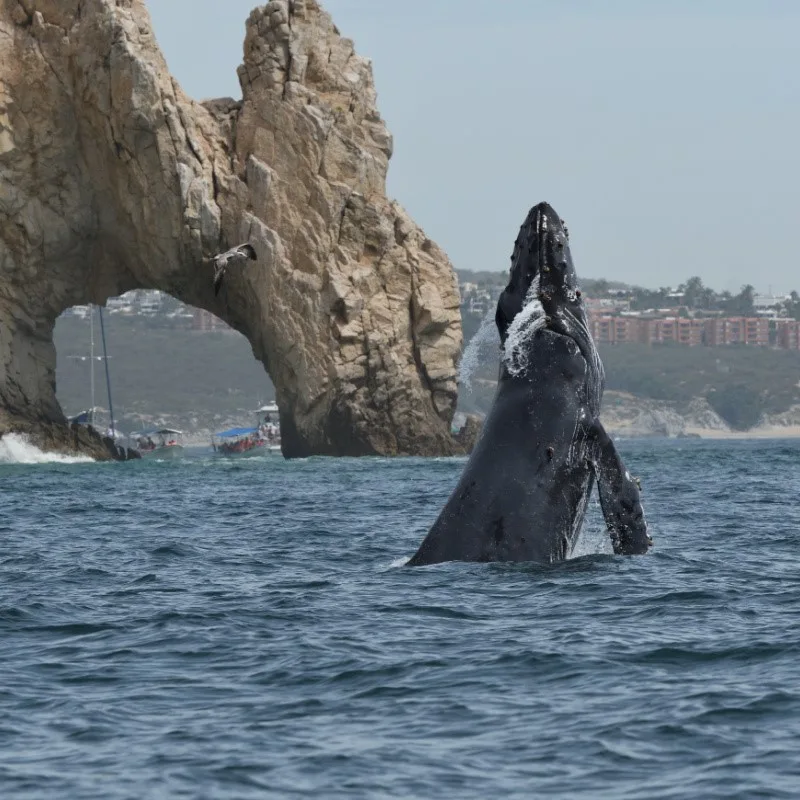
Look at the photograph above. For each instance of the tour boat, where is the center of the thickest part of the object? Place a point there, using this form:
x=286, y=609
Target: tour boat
x=261, y=440
x=166, y=444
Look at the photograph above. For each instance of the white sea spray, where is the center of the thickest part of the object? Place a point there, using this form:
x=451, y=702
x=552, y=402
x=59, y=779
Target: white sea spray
x=485, y=337
x=15, y=448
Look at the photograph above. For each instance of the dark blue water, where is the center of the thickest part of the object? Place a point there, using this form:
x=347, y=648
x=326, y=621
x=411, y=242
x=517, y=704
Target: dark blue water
x=214, y=629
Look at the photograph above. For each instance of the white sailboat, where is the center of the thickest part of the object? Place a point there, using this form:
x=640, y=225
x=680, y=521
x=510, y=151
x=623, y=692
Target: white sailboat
x=91, y=416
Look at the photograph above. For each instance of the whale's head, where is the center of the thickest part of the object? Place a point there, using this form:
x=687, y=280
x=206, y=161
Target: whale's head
x=542, y=273
x=542, y=290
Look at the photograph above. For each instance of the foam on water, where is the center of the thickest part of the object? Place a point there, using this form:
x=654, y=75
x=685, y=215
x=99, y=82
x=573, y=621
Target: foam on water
x=594, y=538
x=15, y=448
x=470, y=359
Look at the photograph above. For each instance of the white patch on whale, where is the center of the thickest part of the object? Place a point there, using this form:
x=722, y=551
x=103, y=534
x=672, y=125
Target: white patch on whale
x=522, y=330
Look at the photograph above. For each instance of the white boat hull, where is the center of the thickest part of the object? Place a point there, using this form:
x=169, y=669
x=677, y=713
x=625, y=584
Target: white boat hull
x=165, y=453
x=269, y=450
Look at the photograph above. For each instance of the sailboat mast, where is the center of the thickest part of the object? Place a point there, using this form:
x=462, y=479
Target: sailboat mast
x=108, y=378
x=91, y=363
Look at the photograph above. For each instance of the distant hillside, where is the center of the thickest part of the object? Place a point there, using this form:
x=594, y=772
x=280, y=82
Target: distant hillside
x=498, y=278
x=204, y=380
x=741, y=384
x=485, y=277
x=192, y=379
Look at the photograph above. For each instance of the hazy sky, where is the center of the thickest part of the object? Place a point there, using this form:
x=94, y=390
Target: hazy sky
x=666, y=134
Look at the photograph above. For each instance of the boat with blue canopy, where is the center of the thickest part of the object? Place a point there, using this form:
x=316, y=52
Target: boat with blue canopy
x=260, y=440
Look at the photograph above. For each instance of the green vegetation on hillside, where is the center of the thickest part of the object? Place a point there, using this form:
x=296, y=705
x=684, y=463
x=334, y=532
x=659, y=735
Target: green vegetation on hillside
x=694, y=296
x=740, y=383
x=202, y=378
x=497, y=278
x=484, y=277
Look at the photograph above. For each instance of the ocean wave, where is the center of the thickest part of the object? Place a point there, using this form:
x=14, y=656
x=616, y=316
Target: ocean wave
x=15, y=448
x=290, y=646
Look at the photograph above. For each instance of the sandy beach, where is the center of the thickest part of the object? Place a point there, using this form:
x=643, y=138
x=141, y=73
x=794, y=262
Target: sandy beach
x=765, y=432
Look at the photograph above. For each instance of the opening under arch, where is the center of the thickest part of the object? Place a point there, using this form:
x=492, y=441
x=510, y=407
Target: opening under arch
x=170, y=365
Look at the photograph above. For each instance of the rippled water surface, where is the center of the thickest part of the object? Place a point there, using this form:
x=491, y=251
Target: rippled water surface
x=209, y=628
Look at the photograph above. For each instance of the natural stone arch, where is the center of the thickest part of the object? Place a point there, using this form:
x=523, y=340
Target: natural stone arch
x=112, y=179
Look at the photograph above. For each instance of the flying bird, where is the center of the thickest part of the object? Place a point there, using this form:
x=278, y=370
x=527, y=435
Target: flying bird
x=234, y=257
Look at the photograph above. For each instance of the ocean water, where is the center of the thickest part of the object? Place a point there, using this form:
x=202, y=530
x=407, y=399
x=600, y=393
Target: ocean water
x=209, y=628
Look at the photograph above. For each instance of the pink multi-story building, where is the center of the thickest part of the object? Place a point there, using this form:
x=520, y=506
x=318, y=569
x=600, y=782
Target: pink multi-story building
x=737, y=330
x=788, y=334
x=614, y=330
x=690, y=332
x=714, y=332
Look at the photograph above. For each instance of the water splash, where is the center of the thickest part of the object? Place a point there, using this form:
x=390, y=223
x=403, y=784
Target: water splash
x=16, y=449
x=485, y=336
x=594, y=538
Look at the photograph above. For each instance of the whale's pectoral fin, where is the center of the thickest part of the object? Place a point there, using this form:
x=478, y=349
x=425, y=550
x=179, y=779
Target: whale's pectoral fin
x=619, y=497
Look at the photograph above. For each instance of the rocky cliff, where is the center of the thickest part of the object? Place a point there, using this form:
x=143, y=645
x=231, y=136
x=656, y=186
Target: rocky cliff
x=112, y=179
x=625, y=414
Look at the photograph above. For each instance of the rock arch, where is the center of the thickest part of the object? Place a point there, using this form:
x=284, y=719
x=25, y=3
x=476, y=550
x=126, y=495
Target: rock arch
x=112, y=179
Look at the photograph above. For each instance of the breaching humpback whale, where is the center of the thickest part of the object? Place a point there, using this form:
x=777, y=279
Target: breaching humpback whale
x=235, y=256
x=524, y=491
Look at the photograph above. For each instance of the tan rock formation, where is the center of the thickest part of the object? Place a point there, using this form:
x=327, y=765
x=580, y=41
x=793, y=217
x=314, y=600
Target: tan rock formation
x=467, y=437
x=112, y=179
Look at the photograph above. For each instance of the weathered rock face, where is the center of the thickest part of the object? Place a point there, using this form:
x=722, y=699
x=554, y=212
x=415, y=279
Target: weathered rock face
x=468, y=435
x=54, y=437
x=112, y=179
x=628, y=415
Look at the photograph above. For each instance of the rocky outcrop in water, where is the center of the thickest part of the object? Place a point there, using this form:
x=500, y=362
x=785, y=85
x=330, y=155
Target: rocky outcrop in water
x=782, y=421
x=629, y=416
x=468, y=434
x=625, y=414
x=112, y=179
x=54, y=437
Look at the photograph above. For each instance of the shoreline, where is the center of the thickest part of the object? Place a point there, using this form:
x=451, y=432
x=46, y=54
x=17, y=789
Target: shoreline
x=771, y=432
x=781, y=432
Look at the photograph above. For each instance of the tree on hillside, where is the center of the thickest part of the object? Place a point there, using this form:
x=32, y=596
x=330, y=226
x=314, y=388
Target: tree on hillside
x=596, y=287
x=741, y=305
x=644, y=299
x=792, y=306
x=693, y=292
x=739, y=404
x=708, y=299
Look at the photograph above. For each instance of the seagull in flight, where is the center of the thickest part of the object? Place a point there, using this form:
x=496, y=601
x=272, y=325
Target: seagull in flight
x=234, y=257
